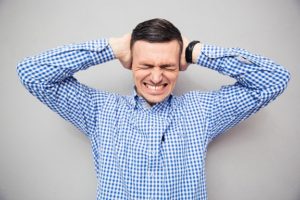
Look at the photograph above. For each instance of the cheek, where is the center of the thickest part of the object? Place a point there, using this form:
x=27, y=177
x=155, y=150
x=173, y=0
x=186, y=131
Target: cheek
x=172, y=77
x=140, y=75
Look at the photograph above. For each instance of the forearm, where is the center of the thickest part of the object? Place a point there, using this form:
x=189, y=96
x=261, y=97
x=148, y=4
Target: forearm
x=57, y=64
x=48, y=76
x=259, y=81
x=253, y=72
x=196, y=52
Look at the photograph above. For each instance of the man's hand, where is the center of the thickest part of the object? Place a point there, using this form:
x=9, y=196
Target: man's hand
x=195, y=55
x=183, y=64
x=121, y=49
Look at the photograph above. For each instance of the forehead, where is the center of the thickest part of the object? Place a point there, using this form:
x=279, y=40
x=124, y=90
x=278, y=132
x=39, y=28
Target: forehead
x=167, y=51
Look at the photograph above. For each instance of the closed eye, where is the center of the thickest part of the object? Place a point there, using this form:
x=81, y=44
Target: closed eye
x=145, y=66
x=169, y=67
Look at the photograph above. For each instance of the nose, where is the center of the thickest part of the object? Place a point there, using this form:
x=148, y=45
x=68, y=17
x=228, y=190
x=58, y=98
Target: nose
x=156, y=75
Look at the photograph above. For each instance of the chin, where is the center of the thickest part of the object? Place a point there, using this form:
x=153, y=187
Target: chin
x=155, y=99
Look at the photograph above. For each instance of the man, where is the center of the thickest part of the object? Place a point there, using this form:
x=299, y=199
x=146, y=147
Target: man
x=152, y=144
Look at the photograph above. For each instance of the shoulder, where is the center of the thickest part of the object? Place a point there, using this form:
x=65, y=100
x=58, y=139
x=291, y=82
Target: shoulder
x=196, y=100
x=197, y=97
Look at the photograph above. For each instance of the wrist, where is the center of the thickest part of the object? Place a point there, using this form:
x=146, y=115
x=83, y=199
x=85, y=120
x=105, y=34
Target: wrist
x=192, y=50
x=196, y=52
x=114, y=44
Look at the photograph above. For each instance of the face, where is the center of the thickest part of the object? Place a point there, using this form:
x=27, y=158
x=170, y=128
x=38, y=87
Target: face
x=155, y=68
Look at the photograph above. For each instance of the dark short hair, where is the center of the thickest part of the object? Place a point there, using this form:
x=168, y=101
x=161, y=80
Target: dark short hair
x=156, y=30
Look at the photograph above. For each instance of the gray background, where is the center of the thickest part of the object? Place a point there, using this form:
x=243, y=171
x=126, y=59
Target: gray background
x=44, y=157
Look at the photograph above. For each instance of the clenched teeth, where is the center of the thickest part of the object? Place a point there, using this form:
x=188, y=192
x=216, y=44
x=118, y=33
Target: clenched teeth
x=155, y=87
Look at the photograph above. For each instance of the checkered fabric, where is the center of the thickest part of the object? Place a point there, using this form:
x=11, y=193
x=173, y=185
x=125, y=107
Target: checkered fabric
x=158, y=152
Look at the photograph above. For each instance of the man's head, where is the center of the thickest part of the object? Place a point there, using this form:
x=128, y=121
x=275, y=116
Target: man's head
x=156, y=47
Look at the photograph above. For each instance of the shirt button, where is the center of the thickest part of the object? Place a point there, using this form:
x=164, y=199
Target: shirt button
x=151, y=153
x=150, y=173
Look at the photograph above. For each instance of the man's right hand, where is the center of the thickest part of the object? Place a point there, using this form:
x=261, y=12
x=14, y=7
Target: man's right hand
x=121, y=49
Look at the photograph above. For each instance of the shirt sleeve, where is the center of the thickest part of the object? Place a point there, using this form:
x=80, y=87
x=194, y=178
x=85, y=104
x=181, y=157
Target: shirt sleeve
x=258, y=82
x=49, y=77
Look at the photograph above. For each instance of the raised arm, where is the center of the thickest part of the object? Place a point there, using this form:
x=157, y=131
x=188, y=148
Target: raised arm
x=49, y=77
x=259, y=80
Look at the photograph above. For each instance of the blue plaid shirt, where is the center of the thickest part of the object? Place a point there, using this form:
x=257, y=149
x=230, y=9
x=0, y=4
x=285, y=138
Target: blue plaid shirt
x=158, y=152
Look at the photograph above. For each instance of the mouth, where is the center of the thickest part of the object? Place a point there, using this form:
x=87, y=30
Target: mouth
x=155, y=89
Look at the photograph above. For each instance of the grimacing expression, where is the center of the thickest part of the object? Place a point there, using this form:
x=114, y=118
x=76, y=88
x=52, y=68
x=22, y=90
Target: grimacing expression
x=155, y=68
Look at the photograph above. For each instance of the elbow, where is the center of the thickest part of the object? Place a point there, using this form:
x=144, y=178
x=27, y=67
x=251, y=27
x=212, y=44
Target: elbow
x=285, y=77
x=25, y=72
x=278, y=83
x=21, y=69
x=282, y=79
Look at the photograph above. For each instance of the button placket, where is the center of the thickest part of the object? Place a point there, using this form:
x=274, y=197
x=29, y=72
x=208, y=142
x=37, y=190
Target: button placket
x=152, y=154
x=150, y=173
